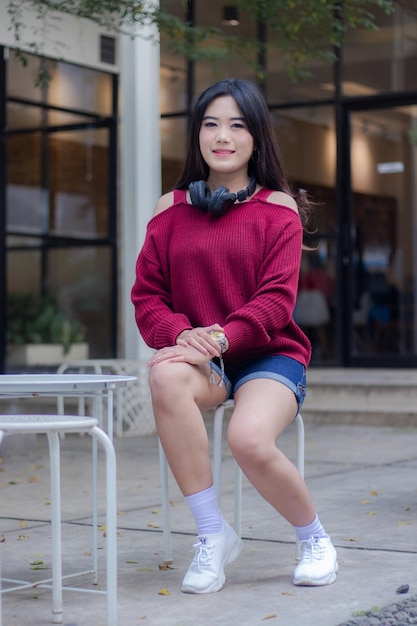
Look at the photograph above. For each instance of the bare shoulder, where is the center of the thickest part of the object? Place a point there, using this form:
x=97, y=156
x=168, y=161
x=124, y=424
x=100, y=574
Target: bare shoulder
x=282, y=198
x=164, y=202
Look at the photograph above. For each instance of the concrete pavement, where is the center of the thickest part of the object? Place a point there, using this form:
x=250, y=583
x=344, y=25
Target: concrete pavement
x=363, y=480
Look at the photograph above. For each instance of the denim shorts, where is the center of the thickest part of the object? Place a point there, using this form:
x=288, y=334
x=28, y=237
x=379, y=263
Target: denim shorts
x=284, y=369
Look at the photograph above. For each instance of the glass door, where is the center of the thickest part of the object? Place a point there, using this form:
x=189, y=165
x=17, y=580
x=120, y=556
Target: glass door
x=383, y=211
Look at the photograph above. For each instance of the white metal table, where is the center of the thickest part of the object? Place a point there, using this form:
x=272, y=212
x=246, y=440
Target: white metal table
x=100, y=388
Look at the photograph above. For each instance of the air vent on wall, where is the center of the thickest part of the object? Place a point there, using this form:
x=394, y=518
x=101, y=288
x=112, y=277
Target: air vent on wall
x=107, y=49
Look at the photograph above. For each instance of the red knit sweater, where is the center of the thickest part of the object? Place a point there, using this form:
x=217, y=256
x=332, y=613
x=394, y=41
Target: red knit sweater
x=240, y=270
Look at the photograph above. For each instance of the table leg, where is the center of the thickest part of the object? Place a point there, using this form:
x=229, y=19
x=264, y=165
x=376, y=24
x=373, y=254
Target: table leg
x=109, y=425
x=97, y=410
x=54, y=457
x=111, y=524
x=1, y=542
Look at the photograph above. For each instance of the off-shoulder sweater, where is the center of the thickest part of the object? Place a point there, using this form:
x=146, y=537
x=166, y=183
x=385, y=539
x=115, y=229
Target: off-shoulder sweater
x=239, y=270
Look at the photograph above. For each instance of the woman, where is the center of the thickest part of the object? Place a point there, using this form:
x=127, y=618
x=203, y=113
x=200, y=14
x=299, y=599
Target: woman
x=215, y=290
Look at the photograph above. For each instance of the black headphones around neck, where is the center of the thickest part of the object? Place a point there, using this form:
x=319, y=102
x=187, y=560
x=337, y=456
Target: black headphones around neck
x=221, y=199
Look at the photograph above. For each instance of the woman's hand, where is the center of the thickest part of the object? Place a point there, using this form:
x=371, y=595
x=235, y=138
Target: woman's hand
x=200, y=339
x=194, y=346
x=181, y=353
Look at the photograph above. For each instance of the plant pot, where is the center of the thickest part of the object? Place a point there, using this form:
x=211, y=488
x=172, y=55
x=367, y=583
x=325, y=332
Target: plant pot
x=32, y=354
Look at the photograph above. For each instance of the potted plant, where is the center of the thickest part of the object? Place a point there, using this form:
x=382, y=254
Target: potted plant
x=38, y=333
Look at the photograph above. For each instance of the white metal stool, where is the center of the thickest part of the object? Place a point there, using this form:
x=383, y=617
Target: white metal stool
x=52, y=426
x=217, y=477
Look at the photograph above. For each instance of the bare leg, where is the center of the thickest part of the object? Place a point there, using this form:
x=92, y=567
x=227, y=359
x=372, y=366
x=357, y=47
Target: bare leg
x=263, y=409
x=180, y=392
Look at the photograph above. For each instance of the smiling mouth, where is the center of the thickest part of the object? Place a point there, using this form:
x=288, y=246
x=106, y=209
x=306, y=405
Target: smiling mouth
x=223, y=152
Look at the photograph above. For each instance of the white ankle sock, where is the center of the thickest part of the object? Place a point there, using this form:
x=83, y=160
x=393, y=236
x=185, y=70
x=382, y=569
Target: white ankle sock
x=315, y=529
x=205, y=510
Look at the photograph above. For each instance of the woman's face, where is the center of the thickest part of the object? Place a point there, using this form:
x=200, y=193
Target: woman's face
x=225, y=141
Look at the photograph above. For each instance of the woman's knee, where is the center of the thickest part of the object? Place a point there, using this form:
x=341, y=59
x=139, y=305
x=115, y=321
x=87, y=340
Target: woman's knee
x=167, y=380
x=246, y=443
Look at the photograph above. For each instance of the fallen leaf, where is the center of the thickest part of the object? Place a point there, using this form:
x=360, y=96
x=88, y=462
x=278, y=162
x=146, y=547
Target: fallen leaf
x=351, y=539
x=401, y=523
x=155, y=512
x=32, y=479
x=269, y=616
x=132, y=561
x=373, y=493
x=163, y=592
x=371, y=513
x=288, y=593
x=102, y=527
x=365, y=501
x=23, y=524
x=2, y=538
x=22, y=537
x=164, y=566
x=153, y=525
x=121, y=513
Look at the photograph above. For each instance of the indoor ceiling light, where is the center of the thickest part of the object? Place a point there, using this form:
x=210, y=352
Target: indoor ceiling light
x=230, y=16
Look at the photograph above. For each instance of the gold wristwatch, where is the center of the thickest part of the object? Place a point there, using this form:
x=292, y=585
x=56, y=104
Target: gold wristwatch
x=220, y=338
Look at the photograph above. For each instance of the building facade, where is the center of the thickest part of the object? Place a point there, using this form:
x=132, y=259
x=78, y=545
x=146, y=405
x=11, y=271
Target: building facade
x=84, y=158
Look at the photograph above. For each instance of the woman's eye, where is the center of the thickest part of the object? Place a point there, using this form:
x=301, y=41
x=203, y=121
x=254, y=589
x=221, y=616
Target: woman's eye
x=209, y=124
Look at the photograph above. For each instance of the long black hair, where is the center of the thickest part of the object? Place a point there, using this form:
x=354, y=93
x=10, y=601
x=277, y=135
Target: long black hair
x=266, y=161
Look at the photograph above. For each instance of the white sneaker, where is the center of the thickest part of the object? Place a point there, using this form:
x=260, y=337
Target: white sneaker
x=212, y=553
x=318, y=564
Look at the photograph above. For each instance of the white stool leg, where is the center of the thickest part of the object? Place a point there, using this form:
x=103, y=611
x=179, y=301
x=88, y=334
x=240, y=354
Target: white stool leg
x=217, y=449
x=217, y=469
x=111, y=524
x=54, y=460
x=300, y=444
x=300, y=467
x=238, y=500
x=163, y=468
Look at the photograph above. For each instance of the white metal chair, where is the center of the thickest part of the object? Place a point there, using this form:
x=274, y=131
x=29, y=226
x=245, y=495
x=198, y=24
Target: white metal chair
x=217, y=471
x=52, y=426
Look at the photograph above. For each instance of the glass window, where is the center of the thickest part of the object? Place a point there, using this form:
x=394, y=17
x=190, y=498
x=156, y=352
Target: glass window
x=307, y=140
x=58, y=188
x=82, y=88
x=26, y=196
x=383, y=60
x=24, y=265
x=383, y=163
x=20, y=116
x=173, y=87
x=70, y=86
x=21, y=78
x=80, y=280
x=173, y=147
x=78, y=187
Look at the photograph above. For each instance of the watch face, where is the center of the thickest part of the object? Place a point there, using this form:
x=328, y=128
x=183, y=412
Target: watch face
x=217, y=335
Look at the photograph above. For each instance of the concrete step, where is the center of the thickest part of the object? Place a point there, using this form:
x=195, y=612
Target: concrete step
x=361, y=396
